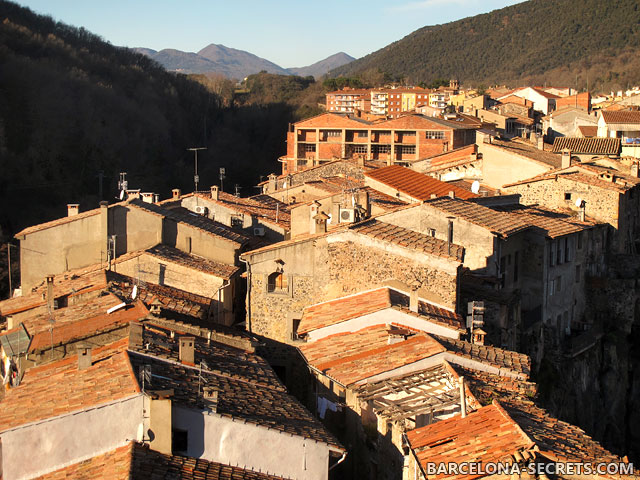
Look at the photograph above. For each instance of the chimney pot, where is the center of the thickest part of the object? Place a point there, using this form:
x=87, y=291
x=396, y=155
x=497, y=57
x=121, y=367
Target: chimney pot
x=176, y=193
x=73, y=209
x=187, y=349
x=215, y=192
x=84, y=356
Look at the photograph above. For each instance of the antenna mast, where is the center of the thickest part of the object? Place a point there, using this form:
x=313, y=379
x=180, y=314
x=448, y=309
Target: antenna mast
x=196, y=177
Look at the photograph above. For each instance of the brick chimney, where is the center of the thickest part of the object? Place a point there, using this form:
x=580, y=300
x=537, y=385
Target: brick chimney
x=73, y=209
x=215, y=192
x=187, y=350
x=176, y=193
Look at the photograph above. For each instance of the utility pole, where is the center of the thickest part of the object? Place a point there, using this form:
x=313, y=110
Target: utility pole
x=196, y=178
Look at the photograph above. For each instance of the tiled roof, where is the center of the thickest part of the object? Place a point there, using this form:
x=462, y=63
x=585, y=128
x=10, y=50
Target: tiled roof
x=353, y=306
x=332, y=120
x=409, y=239
x=554, y=223
x=182, y=215
x=174, y=255
x=485, y=435
x=382, y=200
x=584, y=178
x=458, y=154
x=60, y=388
x=354, y=356
x=56, y=222
x=588, y=130
x=543, y=93
x=497, y=357
x=553, y=437
x=137, y=462
x=621, y=116
x=69, y=284
x=525, y=149
x=87, y=326
x=262, y=207
x=247, y=387
x=173, y=301
x=497, y=222
x=593, y=146
x=422, y=122
x=414, y=184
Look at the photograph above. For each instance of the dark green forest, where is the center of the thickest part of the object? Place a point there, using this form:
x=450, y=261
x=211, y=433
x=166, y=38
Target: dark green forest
x=74, y=108
x=588, y=44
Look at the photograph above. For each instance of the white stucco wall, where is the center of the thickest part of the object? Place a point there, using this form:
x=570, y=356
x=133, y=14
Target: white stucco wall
x=42, y=447
x=221, y=439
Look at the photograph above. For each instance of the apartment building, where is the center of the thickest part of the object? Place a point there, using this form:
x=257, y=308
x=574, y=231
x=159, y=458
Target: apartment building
x=329, y=136
x=348, y=100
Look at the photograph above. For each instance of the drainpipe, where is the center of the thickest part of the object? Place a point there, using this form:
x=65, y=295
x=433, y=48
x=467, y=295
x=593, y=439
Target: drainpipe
x=344, y=455
x=248, y=312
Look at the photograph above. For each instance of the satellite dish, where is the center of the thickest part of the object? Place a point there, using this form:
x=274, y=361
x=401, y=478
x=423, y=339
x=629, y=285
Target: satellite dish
x=121, y=194
x=579, y=202
x=140, y=433
x=134, y=292
x=475, y=187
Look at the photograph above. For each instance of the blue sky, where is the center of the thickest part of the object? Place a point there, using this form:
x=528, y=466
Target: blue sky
x=287, y=32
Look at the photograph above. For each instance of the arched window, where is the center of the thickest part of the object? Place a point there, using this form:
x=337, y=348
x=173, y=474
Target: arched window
x=277, y=282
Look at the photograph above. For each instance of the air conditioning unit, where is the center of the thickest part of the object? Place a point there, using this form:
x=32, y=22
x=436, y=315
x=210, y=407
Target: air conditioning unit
x=258, y=231
x=201, y=209
x=347, y=215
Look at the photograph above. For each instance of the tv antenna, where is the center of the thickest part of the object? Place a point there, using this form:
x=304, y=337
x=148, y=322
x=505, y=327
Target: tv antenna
x=123, y=185
x=223, y=171
x=237, y=189
x=196, y=177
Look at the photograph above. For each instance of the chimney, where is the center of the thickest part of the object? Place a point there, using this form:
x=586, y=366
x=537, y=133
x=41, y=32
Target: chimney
x=449, y=235
x=133, y=194
x=176, y=193
x=104, y=226
x=361, y=161
x=147, y=197
x=187, y=348
x=156, y=198
x=273, y=183
x=73, y=209
x=452, y=194
x=413, y=300
x=84, y=355
x=540, y=141
x=50, y=304
x=634, y=170
x=363, y=200
x=566, y=158
x=320, y=223
x=135, y=334
x=215, y=192
x=583, y=212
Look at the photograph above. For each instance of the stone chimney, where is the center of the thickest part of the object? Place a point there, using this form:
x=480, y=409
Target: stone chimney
x=147, y=197
x=187, y=350
x=566, y=158
x=413, y=301
x=452, y=194
x=73, y=209
x=176, y=193
x=273, y=183
x=320, y=223
x=84, y=356
x=540, y=142
x=215, y=192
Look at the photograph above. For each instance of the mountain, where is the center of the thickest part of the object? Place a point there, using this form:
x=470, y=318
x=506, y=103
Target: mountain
x=554, y=41
x=230, y=62
x=318, y=69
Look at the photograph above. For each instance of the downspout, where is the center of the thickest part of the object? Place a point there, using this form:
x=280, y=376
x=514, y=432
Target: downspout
x=344, y=455
x=248, y=303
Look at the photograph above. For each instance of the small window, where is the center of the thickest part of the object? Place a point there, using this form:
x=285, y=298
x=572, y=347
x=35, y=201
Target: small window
x=580, y=240
x=334, y=133
x=431, y=232
x=434, y=134
x=179, y=441
x=558, y=284
x=567, y=196
x=363, y=134
x=309, y=147
x=237, y=221
x=277, y=282
x=578, y=273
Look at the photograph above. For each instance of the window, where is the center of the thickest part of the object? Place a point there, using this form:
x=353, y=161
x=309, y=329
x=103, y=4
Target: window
x=237, y=221
x=552, y=254
x=580, y=240
x=277, y=282
x=309, y=147
x=363, y=134
x=431, y=232
x=333, y=133
x=408, y=149
x=179, y=441
x=516, y=261
x=567, y=249
x=567, y=196
x=380, y=148
x=295, y=324
x=359, y=149
x=578, y=273
x=409, y=134
x=558, y=283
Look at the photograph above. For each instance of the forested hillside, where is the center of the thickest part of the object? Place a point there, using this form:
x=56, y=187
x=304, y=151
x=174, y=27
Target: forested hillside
x=72, y=106
x=588, y=43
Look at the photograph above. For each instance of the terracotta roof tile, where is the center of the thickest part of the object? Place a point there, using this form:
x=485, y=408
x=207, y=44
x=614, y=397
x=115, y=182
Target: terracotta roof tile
x=409, y=239
x=354, y=356
x=137, y=462
x=414, y=184
x=575, y=175
x=588, y=130
x=554, y=223
x=525, y=149
x=486, y=435
x=591, y=146
x=342, y=309
x=262, y=207
x=60, y=388
x=621, y=116
x=497, y=222
x=174, y=255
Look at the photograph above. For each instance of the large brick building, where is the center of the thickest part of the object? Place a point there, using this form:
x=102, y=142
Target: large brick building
x=402, y=140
